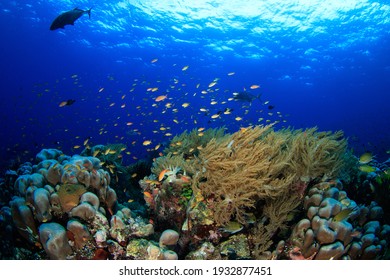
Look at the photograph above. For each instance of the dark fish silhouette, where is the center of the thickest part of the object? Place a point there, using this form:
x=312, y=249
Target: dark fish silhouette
x=68, y=18
x=245, y=96
x=67, y=103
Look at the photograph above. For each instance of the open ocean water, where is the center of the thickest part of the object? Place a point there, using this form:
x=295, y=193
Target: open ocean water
x=317, y=63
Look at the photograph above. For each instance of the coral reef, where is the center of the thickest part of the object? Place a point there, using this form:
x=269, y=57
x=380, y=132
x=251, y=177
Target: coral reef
x=252, y=180
x=335, y=227
x=65, y=208
x=254, y=194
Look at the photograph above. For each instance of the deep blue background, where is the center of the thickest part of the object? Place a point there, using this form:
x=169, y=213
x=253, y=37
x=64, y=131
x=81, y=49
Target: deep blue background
x=324, y=64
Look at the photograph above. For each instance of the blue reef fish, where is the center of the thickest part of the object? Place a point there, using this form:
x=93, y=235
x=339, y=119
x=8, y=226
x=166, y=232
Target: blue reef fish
x=68, y=18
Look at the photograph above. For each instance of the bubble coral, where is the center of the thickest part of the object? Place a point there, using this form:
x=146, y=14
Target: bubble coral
x=48, y=154
x=41, y=199
x=79, y=232
x=336, y=228
x=54, y=240
x=23, y=219
x=84, y=211
x=169, y=237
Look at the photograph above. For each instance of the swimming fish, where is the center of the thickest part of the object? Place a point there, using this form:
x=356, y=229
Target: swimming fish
x=366, y=158
x=67, y=103
x=343, y=214
x=232, y=227
x=160, y=98
x=367, y=168
x=162, y=174
x=245, y=96
x=68, y=18
x=146, y=142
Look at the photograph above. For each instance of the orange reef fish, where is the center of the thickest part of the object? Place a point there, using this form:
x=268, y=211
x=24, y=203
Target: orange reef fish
x=160, y=98
x=162, y=174
x=148, y=197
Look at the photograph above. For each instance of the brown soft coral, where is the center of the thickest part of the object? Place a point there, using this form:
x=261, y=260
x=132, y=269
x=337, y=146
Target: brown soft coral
x=259, y=163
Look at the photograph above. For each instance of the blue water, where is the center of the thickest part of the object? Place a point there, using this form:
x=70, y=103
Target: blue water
x=319, y=63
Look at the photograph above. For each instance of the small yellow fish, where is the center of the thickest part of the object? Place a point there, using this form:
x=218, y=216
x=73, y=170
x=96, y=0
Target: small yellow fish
x=365, y=158
x=215, y=116
x=185, y=68
x=154, y=60
x=212, y=84
x=254, y=86
x=238, y=119
x=232, y=227
x=153, y=182
x=231, y=73
x=76, y=147
x=185, y=105
x=367, y=168
x=201, y=129
x=343, y=214
x=147, y=142
x=95, y=153
x=133, y=175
